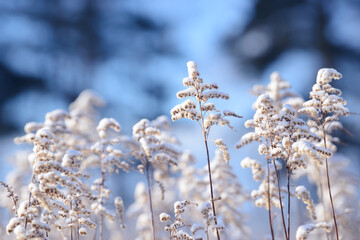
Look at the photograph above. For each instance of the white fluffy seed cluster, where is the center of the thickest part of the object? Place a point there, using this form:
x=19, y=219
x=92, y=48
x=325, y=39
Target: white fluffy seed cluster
x=302, y=193
x=279, y=90
x=256, y=168
x=264, y=121
x=202, y=110
x=176, y=227
x=325, y=99
x=119, y=206
x=110, y=160
x=105, y=124
x=64, y=147
x=224, y=149
x=154, y=145
x=304, y=230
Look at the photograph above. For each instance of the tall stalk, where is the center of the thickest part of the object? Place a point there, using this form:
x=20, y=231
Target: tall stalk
x=269, y=203
x=28, y=206
x=211, y=185
x=289, y=198
x=322, y=197
x=150, y=199
x=205, y=135
x=101, y=192
x=281, y=205
x=329, y=187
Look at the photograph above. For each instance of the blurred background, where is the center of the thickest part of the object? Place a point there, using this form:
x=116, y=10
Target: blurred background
x=134, y=54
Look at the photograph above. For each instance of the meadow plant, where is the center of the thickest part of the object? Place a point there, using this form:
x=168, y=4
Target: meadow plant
x=325, y=107
x=204, y=113
x=62, y=189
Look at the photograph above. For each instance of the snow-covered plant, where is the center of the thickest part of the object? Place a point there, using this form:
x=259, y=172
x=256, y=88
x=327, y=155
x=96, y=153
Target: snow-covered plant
x=140, y=210
x=302, y=193
x=203, y=112
x=325, y=108
x=153, y=148
x=177, y=227
x=62, y=188
x=265, y=123
x=11, y=195
x=58, y=197
x=304, y=230
x=279, y=90
x=231, y=195
x=296, y=142
x=41, y=210
x=111, y=159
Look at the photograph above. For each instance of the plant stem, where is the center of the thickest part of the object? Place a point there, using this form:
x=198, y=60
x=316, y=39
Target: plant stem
x=289, y=198
x=27, y=210
x=150, y=200
x=269, y=203
x=211, y=185
x=322, y=196
x=101, y=193
x=330, y=195
x=281, y=205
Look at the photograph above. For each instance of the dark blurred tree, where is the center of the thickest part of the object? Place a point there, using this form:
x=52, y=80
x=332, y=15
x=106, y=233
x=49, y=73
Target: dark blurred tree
x=329, y=27
x=280, y=25
x=58, y=44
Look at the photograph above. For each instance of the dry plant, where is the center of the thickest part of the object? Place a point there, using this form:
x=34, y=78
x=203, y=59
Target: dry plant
x=204, y=113
x=63, y=188
x=325, y=108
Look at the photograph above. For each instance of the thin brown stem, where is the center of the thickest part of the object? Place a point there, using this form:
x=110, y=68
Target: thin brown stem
x=281, y=205
x=289, y=198
x=329, y=187
x=211, y=184
x=26, y=217
x=269, y=202
x=101, y=193
x=150, y=199
x=205, y=134
x=322, y=197
x=71, y=229
x=28, y=206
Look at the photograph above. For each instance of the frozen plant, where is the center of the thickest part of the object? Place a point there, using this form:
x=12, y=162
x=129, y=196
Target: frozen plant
x=304, y=230
x=203, y=112
x=279, y=90
x=231, y=195
x=111, y=159
x=265, y=123
x=176, y=227
x=302, y=193
x=324, y=108
x=154, y=149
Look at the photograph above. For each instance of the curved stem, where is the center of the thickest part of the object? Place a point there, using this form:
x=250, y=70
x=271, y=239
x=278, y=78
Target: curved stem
x=269, y=203
x=329, y=187
x=211, y=185
x=281, y=205
x=150, y=200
